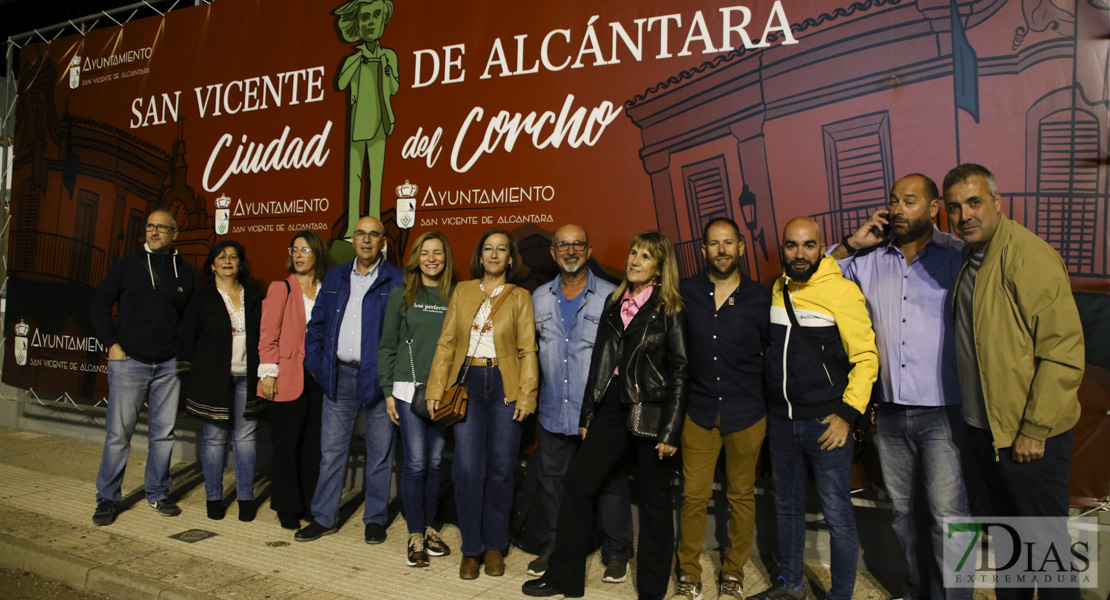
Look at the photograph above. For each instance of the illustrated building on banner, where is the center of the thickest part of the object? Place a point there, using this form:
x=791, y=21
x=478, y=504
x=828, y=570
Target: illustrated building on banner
x=723, y=139
x=75, y=212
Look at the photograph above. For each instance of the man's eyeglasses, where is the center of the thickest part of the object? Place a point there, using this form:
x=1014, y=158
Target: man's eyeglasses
x=374, y=235
x=161, y=228
x=566, y=246
x=295, y=251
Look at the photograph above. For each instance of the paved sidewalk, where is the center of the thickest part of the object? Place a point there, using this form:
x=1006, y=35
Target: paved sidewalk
x=47, y=497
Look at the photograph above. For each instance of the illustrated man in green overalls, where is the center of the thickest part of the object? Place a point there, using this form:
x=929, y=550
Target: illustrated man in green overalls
x=371, y=75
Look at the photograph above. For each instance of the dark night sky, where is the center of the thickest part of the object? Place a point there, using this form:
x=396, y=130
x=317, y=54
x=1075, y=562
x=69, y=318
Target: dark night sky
x=21, y=16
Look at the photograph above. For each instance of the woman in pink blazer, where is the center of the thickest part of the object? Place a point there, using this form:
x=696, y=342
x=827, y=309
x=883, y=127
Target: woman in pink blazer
x=295, y=397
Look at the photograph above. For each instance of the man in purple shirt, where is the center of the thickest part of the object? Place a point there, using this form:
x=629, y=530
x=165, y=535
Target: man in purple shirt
x=907, y=270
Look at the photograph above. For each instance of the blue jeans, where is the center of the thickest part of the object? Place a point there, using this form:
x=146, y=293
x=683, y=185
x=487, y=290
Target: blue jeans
x=793, y=443
x=337, y=421
x=919, y=449
x=423, y=443
x=213, y=448
x=129, y=381
x=487, y=442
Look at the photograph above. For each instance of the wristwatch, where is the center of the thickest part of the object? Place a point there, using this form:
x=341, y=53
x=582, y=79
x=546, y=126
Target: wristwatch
x=847, y=246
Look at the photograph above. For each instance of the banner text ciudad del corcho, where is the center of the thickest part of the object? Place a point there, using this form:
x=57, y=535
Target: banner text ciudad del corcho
x=620, y=117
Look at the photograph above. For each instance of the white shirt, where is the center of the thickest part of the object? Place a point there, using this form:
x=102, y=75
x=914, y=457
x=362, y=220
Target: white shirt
x=481, y=330
x=238, y=332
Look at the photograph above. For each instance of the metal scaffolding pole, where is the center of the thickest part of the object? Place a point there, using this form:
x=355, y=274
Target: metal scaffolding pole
x=82, y=26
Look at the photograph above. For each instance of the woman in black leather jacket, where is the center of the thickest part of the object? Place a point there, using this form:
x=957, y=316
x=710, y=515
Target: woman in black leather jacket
x=635, y=401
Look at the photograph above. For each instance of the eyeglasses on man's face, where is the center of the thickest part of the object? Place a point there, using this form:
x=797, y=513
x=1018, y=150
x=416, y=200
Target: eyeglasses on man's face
x=566, y=246
x=373, y=235
x=305, y=251
x=160, y=228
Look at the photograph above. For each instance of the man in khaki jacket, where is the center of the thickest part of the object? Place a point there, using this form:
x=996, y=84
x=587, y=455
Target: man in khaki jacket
x=1020, y=354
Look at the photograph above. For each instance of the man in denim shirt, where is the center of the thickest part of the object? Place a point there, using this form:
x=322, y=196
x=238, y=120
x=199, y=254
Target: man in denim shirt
x=567, y=313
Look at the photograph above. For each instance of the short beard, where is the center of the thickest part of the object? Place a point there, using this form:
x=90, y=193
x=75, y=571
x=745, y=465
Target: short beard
x=577, y=268
x=915, y=230
x=803, y=275
x=711, y=266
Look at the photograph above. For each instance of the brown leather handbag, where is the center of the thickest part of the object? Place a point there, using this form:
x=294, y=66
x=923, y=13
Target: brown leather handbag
x=452, y=407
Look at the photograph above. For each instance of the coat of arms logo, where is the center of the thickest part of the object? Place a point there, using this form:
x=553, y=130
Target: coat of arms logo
x=406, y=205
x=75, y=73
x=223, y=215
x=21, y=331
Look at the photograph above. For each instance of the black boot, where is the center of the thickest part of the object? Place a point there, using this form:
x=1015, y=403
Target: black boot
x=215, y=509
x=246, y=510
x=289, y=520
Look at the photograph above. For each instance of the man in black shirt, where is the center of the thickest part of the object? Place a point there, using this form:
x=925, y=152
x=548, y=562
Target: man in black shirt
x=729, y=320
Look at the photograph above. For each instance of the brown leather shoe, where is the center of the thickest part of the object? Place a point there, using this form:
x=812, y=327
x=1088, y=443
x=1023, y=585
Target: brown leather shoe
x=468, y=568
x=495, y=565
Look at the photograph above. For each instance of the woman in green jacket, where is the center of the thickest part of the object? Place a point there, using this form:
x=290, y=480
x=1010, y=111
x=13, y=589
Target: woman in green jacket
x=413, y=319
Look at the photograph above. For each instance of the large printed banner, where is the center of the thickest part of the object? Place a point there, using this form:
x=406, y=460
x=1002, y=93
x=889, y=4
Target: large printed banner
x=254, y=120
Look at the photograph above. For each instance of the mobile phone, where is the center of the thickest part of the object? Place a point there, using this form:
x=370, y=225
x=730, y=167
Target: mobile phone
x=886, y=228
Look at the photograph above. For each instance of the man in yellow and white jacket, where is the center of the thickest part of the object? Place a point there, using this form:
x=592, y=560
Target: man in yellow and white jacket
x=814, y=399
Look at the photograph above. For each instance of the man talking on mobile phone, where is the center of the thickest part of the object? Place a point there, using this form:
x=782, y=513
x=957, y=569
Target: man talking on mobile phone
x=907, y=270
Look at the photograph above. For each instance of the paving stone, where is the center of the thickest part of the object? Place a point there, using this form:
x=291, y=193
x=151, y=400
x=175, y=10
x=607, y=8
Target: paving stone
x=13, y=552
x=260, y=587
x=59, y=566
x=116, y=550
x=209, y=576
x=47, y=493
x=123, y=585
x=324, y=595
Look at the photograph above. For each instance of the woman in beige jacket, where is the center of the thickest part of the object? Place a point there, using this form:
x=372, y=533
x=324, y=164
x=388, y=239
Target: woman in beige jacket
x=498, y=352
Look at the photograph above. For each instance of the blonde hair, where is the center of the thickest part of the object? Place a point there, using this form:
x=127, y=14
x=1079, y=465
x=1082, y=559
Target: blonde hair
x=414, y=283
x=662, y=250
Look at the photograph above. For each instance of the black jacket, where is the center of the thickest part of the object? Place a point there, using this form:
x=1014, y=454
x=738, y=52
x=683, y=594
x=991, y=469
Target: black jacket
x=150, y=292
x=652, y=356
x=205, y=349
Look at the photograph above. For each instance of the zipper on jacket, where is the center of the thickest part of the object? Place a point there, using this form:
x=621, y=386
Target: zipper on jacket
x=785, y=347
x=338, y=323
x=609, y=379
x=635, y=371
x=334, y=334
